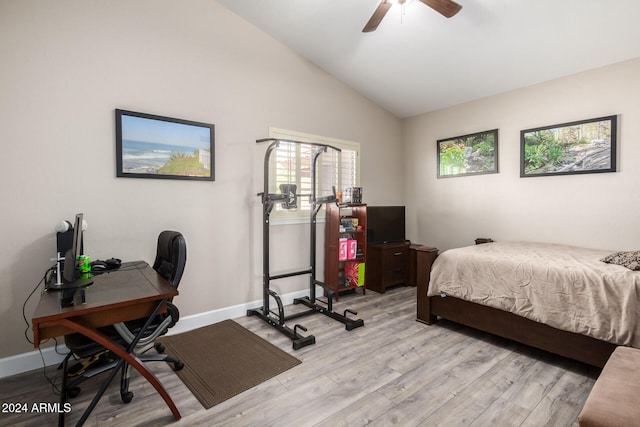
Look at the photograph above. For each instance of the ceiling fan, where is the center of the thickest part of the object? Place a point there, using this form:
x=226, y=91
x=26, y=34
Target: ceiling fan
x=447, y=8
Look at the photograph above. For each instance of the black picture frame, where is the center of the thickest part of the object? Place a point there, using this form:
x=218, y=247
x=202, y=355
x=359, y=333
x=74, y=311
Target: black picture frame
x=471, y=154
x=158, y=147
x=579, y=147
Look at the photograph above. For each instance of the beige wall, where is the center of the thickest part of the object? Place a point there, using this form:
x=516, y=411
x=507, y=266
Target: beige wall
x=66, y=65
x=594, y=210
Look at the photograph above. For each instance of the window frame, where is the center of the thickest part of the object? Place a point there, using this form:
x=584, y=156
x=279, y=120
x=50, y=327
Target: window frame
x=301, y=215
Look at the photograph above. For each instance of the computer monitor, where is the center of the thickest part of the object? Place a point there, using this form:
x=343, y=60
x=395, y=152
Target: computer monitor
x=72, y=254
x=71, y=273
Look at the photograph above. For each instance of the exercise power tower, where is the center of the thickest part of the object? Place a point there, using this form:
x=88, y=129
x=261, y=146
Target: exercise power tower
x=288, y=198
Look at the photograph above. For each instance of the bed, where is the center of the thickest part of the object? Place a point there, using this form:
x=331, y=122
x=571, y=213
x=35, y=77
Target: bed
x=558, y=298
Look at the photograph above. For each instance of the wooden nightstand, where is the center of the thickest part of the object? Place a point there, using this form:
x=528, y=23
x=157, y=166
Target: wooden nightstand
x=481, y=240
x=387, y=265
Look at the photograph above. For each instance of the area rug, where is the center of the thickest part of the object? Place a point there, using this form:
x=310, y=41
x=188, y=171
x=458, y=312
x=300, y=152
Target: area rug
x=225, y=359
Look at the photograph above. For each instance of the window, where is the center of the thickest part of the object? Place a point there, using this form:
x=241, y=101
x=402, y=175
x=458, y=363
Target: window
x=291, y=164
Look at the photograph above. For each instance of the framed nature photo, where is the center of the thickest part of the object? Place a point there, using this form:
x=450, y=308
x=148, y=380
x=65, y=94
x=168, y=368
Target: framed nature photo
x=585, y=146
x=150, y=146
x=472, y=154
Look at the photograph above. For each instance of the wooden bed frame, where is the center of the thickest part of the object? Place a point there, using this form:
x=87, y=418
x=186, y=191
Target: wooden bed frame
x=502, y=323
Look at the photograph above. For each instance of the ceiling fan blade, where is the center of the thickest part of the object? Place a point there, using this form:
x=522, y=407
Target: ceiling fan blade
x=377, y=16
x=446, y=8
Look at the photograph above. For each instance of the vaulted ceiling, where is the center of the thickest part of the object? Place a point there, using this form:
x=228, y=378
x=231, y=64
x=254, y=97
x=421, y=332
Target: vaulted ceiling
x=419, y=61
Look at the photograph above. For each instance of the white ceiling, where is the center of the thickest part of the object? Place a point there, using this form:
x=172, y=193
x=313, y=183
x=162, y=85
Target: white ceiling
x=419, y=61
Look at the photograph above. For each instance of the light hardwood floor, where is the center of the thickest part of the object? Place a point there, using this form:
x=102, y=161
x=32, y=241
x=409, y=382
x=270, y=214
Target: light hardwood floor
x=392, y=371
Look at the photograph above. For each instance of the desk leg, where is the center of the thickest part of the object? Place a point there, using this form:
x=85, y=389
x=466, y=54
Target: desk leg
x=63, y=391
x=126, y=357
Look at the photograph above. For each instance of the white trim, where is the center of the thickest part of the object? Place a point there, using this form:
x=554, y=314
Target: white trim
x=301, y=220
x=318, y=139
x=25, y=362
x=308, y=137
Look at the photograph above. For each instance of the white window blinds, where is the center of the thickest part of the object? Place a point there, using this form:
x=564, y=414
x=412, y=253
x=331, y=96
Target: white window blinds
x=291, y=164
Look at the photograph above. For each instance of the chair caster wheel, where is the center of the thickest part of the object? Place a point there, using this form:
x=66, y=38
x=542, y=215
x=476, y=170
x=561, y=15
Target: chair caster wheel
x=127, y=397
x=159, y=347
x=178, y=365
x=73, y=392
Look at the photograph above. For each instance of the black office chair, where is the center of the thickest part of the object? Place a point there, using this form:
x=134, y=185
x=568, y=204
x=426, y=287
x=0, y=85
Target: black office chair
x=171, y=257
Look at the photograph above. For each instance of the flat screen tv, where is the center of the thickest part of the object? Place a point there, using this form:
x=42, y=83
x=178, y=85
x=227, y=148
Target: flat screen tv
x=385, y=224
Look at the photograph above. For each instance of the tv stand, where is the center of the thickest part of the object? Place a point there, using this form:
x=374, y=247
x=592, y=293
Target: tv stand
x=387, y=265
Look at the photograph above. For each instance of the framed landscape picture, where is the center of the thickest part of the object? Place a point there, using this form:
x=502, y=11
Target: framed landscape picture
x=150, y=146
x=472, y=154
x=585, y=146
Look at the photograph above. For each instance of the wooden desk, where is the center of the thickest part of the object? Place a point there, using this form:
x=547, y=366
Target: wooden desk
x=134, y=291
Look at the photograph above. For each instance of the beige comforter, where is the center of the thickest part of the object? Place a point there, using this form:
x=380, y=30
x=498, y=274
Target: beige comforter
x=565, y=287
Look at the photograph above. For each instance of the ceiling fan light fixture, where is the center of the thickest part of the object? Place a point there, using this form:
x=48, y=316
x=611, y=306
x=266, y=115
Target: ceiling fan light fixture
x=446, y=8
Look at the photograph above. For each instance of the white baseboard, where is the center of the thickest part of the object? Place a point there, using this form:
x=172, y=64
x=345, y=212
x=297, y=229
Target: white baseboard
x=25, y=362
